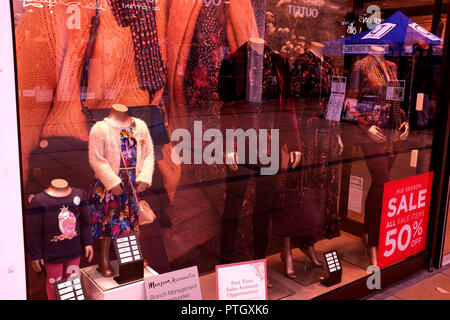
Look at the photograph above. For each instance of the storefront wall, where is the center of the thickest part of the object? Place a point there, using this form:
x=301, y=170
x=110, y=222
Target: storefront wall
x=12, y=259
x=220, y=215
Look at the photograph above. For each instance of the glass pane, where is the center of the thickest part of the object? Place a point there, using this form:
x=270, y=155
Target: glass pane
x=253, y=129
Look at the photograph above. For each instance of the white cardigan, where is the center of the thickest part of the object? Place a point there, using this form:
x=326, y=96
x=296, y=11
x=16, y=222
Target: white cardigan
x=104, y=156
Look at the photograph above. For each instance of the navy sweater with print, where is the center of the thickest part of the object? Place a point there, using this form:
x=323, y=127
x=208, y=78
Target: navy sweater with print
x=58, y=228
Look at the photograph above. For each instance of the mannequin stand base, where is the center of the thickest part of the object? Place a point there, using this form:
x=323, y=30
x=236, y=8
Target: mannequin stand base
x=130, y=272
x=99, y=287
x=334, y=278
x=307, y=273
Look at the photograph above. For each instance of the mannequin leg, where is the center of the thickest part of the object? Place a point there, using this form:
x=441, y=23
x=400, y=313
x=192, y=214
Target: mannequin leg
x=286, y=258
x=264, y=193
x=365, y=239
x=373, y=252
x=54, y=273
x=72, y=267
x=103, y=263
x=306, y=245
x=236, y=186
x=379, y=164
x=310, y=252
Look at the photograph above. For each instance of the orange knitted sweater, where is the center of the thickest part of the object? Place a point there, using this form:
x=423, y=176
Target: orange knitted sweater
x=50, y=56
x=49, y=63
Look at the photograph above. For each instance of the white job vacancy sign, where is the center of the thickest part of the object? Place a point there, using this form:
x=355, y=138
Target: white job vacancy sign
x=337, y=97
x=182, y=284
x=70, y=289
x=127, y=248
x=395, y=90
x=242, y=281
x=355, y=194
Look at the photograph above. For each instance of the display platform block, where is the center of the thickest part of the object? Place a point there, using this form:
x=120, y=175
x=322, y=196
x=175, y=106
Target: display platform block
x=306, y=272
x=99, y=287
x=278, y=290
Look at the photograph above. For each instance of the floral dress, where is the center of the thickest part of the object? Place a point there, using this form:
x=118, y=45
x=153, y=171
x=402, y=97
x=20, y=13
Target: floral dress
x=113, y=216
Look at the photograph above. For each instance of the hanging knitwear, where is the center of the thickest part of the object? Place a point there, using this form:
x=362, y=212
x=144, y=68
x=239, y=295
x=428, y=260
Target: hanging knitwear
x=139, y=15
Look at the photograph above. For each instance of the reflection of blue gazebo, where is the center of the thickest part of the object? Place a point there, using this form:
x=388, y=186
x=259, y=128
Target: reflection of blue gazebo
x=397, y=35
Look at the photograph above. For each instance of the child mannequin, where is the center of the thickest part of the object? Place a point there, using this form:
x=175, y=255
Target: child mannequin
x=58, y=230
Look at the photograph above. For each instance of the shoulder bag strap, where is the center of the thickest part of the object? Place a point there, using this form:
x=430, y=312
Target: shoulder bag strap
x=95, y=22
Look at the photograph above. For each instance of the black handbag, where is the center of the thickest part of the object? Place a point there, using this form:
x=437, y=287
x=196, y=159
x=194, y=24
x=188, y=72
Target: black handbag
x=94, y=115
x=298, y=211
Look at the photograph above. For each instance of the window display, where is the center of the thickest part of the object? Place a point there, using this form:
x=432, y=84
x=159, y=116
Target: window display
x=218, y=132
x=114, y=201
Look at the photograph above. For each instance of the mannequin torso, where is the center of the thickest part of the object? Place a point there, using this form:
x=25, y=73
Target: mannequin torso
x=378, y=53
x=59, y=188
x=317, y=49
x=256, y=44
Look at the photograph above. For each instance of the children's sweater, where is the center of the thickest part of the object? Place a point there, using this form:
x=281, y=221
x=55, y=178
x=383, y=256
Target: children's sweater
x=58, y=228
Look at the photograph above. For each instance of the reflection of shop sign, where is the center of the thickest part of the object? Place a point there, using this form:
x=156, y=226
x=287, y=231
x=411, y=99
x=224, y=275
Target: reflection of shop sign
x=362, y=48
x=355, y=194
x=380, y=31
x=52, y=3
x=212, y=2
x=336, y=101
x=424, y=32
x=303, y=11
x=404, y=218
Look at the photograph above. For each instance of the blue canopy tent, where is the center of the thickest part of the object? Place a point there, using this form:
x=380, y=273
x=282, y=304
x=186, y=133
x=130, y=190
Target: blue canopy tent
x=397, y=35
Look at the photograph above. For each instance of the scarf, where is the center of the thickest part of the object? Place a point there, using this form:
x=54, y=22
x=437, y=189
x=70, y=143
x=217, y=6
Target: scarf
x=139, y=15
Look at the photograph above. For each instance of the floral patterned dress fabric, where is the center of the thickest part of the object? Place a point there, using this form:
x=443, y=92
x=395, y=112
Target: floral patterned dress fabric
x=207, y=52
x=113, y=216
x=201, y=83
x=311, y=86
x=369, y=80
x=311, y=78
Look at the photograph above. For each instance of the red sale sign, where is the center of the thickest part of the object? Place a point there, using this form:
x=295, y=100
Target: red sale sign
x=404, y=218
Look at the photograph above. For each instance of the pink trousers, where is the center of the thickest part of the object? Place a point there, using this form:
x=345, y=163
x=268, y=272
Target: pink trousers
x=55, y=272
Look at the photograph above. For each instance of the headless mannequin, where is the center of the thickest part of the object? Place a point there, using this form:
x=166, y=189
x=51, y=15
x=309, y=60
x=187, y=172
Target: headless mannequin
x=60, y=188
x=377, y=135
x=317, y=49
x=257, y=44
x=286, y=255
x=119, y=115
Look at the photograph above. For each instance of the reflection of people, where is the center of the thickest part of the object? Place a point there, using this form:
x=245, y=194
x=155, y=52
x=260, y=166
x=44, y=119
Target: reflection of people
x=321, y=144
x=252, y=73
x=52, y=110
x=58, y=232
x=236, y=16
x=199, y=37
x=368, y=84
x=50, y=54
